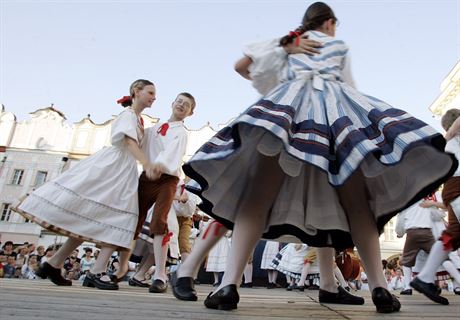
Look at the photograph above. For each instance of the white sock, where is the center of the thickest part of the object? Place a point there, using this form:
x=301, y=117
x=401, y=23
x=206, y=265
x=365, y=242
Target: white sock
x=407, y=271
x=339, y=276
x=248, y=273
x=57, y=260
x=160, y=252
x=449, y=266
x=435, y=259
x=208, y=238
x=326, y=275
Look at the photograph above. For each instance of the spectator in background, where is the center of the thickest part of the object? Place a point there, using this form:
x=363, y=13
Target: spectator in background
x=40, y=252
x=8, y=249
x=87, y=261
x=10, y=268
x=23, y=256
x=48, y=254
x=2, y=263
x=28, y=269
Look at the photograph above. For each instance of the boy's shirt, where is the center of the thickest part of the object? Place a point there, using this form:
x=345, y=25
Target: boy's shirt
x=453, y=146
x=165, y=144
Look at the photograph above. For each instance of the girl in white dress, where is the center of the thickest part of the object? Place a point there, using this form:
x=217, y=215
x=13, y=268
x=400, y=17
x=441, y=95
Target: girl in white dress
x=97, y=200
x=270, y=251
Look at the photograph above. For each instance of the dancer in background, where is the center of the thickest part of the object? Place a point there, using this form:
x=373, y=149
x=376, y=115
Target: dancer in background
x=96, y=200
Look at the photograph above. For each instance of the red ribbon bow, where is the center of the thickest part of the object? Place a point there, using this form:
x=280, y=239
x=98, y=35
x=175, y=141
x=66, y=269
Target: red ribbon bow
x=124, y=99
x=163, y=128
x=166, y=238
x=297, y=37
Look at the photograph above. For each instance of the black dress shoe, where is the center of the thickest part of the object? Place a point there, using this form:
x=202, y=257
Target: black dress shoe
x=271, y=285
x=289, y=288
x=429, y=290
x=340, y=297
x=300, y=288
x=115, y=279
x=226, y=298
x=54, y=274
x=94, y=280
x=384, y=301
x=183, y=288
x=246, y=285
x=133, y=282
x=158, y=286
x=406, y=292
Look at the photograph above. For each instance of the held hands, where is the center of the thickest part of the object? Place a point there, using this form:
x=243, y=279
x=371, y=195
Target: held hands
x=427, y=204
x=153, y=171
x=306, y=46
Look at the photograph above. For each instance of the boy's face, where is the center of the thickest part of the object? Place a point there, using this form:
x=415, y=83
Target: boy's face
x=182, y=107
x=11, y=260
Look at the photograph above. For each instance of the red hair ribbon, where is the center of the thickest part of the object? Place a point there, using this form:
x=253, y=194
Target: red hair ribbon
x=141, y=121
x=124, y=99
x=163, y=128
x=216, y=231
x=166, y=238
x=297, y=37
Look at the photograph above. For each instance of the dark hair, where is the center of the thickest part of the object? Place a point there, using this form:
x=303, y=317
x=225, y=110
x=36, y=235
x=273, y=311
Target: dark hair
x=8, y=243
x=449, y=117
x=188, y=95
x=314, y=17
x=127, y=101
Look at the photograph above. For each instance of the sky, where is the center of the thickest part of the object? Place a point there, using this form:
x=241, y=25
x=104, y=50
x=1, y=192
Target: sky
x=83, y=55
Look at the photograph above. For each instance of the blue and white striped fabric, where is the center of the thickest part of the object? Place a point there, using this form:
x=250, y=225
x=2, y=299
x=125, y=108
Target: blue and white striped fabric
x=322, y=130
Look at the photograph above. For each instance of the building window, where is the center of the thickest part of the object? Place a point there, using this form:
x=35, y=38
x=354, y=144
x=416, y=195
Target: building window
x=389, y=231
x=40, y=178
x=17, y=176
x=6, y=212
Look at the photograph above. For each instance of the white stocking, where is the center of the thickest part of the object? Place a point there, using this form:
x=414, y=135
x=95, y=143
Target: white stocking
x=407, y=277
x=251, y=217
x=57, y=260
x=435, y=259
x=160, y=252
x=208, y=238
x=326, y=279
x=339, y=276
x=449, y=266
x=363, y=228
x=248, y=273
x=148, y=260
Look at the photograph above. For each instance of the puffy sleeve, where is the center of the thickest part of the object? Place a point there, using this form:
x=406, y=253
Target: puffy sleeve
x=268, y=59
x=124, y=125
x=400, y=227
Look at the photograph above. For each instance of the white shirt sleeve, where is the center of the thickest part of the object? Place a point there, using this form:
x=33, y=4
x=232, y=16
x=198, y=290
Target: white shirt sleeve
x=400, y=227
x=268, y=59
x=171, y=157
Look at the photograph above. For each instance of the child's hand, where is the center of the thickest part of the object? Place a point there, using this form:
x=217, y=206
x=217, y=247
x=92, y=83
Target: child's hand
x=427, y=204
x=154, y=171
x=306, y=46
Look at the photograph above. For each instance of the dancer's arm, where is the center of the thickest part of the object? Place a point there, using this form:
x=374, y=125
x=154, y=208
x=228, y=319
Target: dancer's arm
x=453, y=130
x=153, y=171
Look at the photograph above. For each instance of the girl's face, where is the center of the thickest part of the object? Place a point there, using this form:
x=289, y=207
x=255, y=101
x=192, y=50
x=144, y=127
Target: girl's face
x=146, y=96
x=33, y=260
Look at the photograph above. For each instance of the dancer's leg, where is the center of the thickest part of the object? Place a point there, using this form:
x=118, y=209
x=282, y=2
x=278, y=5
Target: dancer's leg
x=251, y=219
x=57, y=260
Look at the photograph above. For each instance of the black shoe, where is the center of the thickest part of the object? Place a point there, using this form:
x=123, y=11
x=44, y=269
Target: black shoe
x=216, y=284
x=133, y=282
x=347, y=288
x=313, y=287
x=300, y=288
x=246, y=285
x=406, y=292
x=54, y=274
x=183, y=288
x=115, y=279
x=457, y=290
x=226, y=298
x=429, y=290
x=94, y=280
x=289, y=288
x=271, y=285
x=340, y=297
x=384, y=301
x=158, y=286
